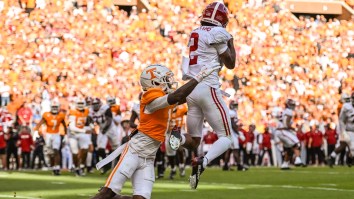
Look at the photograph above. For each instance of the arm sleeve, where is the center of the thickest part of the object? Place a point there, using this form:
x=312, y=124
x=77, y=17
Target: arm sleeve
x=156, y=104
x=108, y=121
x=221, y=48
x=218, y=35
x=342, y=120
x=72, y=125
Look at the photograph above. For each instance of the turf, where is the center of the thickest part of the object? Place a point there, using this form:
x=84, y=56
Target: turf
x=262, y=183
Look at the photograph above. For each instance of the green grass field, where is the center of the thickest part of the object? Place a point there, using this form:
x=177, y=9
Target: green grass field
x=262, y=183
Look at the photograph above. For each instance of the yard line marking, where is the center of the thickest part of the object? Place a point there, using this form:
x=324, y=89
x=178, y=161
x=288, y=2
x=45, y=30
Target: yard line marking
x=17, y=196
x=332, y=185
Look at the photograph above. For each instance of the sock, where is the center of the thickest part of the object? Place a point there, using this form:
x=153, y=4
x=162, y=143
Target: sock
x=89, y=159
x=183, y=139
x=333, y=154
x=218, y=148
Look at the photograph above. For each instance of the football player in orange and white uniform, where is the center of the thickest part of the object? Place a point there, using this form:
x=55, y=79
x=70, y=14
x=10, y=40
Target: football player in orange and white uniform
x=52, y=120
x=177, y=121
x=137, y=160
x=79, y=135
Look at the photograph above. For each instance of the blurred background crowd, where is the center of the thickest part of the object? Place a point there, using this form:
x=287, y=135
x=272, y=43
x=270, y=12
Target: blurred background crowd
x=59, y=49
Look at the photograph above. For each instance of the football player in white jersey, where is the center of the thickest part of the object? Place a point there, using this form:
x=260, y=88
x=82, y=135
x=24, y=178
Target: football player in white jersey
x=346, y=132
x=285, y=133
x=103, y=117
x=210, y=46
x=235, y=135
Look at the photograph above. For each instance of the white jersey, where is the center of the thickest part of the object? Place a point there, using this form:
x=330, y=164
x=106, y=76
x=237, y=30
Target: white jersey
x=233, y=116
x=205, y=45
x=287, y=113
x=99, y=117
x=346, y=118
x=136, y=109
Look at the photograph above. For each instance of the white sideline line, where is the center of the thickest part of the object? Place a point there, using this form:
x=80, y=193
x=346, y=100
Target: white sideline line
x=17, y=196
x=251, y=186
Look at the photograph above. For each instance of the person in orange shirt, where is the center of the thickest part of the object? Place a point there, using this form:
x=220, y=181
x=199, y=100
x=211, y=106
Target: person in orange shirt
x=79, y=135
x=137, y=160
x=53, y=119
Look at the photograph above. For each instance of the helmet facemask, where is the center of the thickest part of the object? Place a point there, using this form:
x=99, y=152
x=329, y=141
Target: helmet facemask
x=80, y=106
x=96, y=106
x=54, y=109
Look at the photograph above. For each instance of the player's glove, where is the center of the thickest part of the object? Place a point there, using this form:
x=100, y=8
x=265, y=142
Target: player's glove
x=204, y=72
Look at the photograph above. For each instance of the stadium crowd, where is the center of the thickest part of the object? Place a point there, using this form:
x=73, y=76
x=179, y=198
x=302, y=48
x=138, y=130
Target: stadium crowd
x=60, y=50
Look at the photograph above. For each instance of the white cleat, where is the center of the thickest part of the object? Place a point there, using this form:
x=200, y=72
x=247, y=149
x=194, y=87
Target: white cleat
x=298, y=162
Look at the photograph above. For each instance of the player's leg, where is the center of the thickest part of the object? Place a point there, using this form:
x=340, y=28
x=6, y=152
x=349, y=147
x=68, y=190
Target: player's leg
x=171, y=155
x=342, y=146
x=226, y=160
x=84, y=143
x=290, y=140
x=102, y=140
x=143, y=179
x=56, y=140
x=217, y=115
x=74, y=147
x=181, y=161
x=120, y=174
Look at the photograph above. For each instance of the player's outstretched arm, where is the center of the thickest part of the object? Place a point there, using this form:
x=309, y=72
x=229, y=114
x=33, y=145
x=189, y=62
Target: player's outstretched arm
x=39, y=124
x=229, y=56
x=181, y=93
x=132, y=119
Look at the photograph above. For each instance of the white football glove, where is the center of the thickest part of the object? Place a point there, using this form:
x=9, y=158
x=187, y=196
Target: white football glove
x=205, y=72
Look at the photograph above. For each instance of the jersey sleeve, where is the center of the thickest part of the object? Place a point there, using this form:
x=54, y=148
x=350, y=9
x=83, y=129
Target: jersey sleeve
x=151, y=95
x=218, y=35
x=288, y=112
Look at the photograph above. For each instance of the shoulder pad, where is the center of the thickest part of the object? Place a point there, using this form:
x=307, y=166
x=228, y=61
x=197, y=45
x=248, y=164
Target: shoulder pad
x=151, y=95
x=218, y=35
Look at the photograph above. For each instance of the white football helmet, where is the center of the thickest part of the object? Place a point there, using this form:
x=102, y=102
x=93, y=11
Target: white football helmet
x=54, y=107
x=345, y=98
x=80, y=104
x=111, y=100
x=157, y=75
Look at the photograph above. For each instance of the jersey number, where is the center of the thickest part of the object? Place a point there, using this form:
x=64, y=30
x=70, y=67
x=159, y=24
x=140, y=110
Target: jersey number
x=54, y=124
x=194, y=38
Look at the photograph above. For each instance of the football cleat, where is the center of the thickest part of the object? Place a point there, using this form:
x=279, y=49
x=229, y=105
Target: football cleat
x=241, y=168
x=173, y=173
x=330, y=161
x=104, y=193
x=298, y=161
x=349, y=161
x=285, y=166
x=56, y=172
x=182, y=172
x=175, y=138
x=197, y=170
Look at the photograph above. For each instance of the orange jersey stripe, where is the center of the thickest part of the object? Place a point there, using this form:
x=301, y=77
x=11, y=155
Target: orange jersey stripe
x=108, y=182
